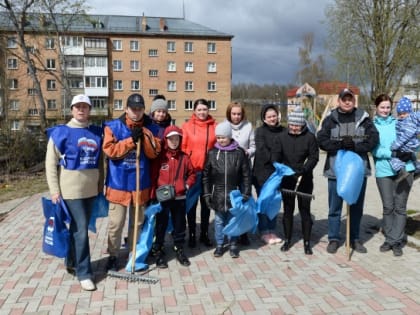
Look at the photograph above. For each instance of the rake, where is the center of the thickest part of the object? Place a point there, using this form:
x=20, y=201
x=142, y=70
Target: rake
x=295, y=192
x=132, y=277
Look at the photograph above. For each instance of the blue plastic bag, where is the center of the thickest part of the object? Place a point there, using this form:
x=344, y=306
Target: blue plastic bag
x=145, y=241
x=56, y=236
x=269, y=200
x=100, y=210
x=350, y=172
x=244, y=214
x=194, y=192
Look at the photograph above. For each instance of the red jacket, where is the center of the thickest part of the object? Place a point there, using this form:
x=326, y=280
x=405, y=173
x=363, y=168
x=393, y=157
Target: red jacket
x=198, y=138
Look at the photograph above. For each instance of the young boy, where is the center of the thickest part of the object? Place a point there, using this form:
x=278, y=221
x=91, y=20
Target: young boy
x=226, y=169
x=175, y=169
x=405, y=146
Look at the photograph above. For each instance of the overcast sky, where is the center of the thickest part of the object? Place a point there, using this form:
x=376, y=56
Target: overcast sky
x=267, y=33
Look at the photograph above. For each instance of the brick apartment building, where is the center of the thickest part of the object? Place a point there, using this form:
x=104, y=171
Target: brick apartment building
x=109, y=57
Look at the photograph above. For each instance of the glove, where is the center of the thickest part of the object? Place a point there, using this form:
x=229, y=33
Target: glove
x=347, y=143
x=136, y=134
x=404, y=156
x=245, y=198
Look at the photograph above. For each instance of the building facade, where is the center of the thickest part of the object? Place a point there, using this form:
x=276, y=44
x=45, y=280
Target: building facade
x=110, y=57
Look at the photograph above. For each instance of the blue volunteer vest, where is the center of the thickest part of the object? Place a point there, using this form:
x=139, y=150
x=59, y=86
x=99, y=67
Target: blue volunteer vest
x=121, y=173
x=80, y=148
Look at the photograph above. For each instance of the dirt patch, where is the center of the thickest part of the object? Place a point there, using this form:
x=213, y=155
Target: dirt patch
x=412, y=227
x=18, y=186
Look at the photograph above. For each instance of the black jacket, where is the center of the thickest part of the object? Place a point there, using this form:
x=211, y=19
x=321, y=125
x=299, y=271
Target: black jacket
x=223, y=172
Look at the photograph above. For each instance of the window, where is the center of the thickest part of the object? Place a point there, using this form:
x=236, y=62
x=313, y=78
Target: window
x=153, y=92
x=171, y=66
x=188, y=47
x=135, y=65
x=96, y=82
x=153, y=73
x=189, y=86
x=189, y=67
x=171, y=104
x=74, y=62
x=118, y=85
x=170, y=46
x=118, y=104
x=76, y=83
x=31, y=49
x=96, y=62
x=50, y=63
x=95, y=43
x=211, y=66
x=14, y=105
x=11, y=42
x=211, y=48
x=13, y=84
x=51, y=85
x=98, y=102
x=211, y=86
x=50, y=43
x=12, y=63
x=212, y=104
x=72, y=41
x=32, y=92
x=117, y=44
x=189, y=105
x=117, y=65
x=135, y=85
x=15, y=125
x=51, y=104
x=153, y=52
x=171, y=86
x=33, y=111
x=134, y=45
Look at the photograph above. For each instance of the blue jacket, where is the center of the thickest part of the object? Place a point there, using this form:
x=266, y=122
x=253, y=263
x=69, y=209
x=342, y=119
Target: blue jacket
x=382, y=152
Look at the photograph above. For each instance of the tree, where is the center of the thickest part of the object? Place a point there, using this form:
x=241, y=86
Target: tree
x=29, y=17
x=375, y=41
x=311, y=71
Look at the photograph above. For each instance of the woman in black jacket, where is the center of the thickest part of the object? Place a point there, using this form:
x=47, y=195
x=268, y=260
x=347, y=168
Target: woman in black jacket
x=226, y=169
x=268, y=150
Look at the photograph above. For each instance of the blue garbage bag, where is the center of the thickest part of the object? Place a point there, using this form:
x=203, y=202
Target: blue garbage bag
x=56, y=235
x=269, y=200
x=194, y=192
x=350, y=172
x=244, y=214
x=145, y=241
x=100, y=210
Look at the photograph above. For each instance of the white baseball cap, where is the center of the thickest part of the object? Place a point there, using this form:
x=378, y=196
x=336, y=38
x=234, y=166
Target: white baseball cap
x=81, y=98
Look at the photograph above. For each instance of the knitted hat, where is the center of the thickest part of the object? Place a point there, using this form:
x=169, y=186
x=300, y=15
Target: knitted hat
x=404, y=106
x=224, y=129
x=81, y=98
x=159, y=104
x=296, y=117
x=135, y=101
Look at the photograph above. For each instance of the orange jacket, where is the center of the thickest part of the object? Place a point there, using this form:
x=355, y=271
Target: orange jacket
x=197, y=139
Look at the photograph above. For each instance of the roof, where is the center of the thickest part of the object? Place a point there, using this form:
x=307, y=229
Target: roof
x=117, y=24
x=327, y=88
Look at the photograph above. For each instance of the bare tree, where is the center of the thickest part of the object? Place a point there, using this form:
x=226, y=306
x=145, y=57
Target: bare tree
x=375, y=41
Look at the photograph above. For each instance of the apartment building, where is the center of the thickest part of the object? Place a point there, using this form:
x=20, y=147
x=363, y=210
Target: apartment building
x=109, y=57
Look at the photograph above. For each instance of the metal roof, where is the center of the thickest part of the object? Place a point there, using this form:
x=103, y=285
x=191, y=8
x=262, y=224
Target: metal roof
x=116, y=24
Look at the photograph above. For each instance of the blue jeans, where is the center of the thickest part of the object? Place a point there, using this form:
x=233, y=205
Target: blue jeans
x=335, y=203
x=221, y=219
x=79, y=252
x=394, y=202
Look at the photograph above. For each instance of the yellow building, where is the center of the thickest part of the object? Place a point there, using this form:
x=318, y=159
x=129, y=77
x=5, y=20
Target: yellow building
x=108, y=58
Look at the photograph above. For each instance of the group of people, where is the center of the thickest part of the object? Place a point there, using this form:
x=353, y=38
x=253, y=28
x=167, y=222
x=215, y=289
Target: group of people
x=215, y=159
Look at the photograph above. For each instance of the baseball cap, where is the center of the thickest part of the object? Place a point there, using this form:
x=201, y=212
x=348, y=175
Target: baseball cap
x=81, y=98
x=345, y=92
x=135, y=101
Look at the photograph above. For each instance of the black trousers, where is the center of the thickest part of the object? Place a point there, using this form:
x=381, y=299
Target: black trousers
x=205, y=217
x=177, y=210
x=304, y=204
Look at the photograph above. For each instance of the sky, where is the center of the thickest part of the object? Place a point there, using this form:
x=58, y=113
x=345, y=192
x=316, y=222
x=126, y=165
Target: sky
x=267, y=33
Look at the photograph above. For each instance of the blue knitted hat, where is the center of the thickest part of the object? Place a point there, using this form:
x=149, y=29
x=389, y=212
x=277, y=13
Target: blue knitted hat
x=404, y=106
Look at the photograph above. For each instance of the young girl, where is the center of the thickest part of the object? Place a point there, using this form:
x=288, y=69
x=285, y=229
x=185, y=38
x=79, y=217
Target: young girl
x=175, y=169
x=226, y=169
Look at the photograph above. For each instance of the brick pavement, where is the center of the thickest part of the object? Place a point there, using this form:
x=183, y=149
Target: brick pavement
x=262, y=281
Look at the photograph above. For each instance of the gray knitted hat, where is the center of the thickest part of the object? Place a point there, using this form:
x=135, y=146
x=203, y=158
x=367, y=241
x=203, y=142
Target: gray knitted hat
x=224, y=129
x=296, y=117
x=159, y=104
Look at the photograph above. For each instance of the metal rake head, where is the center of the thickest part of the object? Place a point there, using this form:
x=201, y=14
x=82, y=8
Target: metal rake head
x=132, y=277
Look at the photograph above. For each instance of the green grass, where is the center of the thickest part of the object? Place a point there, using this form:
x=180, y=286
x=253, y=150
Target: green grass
x=22, y=186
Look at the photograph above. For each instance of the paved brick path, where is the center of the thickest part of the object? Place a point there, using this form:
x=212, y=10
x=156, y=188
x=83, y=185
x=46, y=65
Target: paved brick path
x=262, y=281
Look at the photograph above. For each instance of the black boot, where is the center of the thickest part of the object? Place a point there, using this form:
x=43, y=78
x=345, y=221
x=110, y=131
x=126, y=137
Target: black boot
x=204, y=238
x=179, y=252
x=161, y=260
x=286, y=246
x=192, y=243
x=307, y=248
x=244, y=240
x=234, y=250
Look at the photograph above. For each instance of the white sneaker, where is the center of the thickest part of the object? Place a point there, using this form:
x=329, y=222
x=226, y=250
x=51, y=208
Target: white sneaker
x=87, y=285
